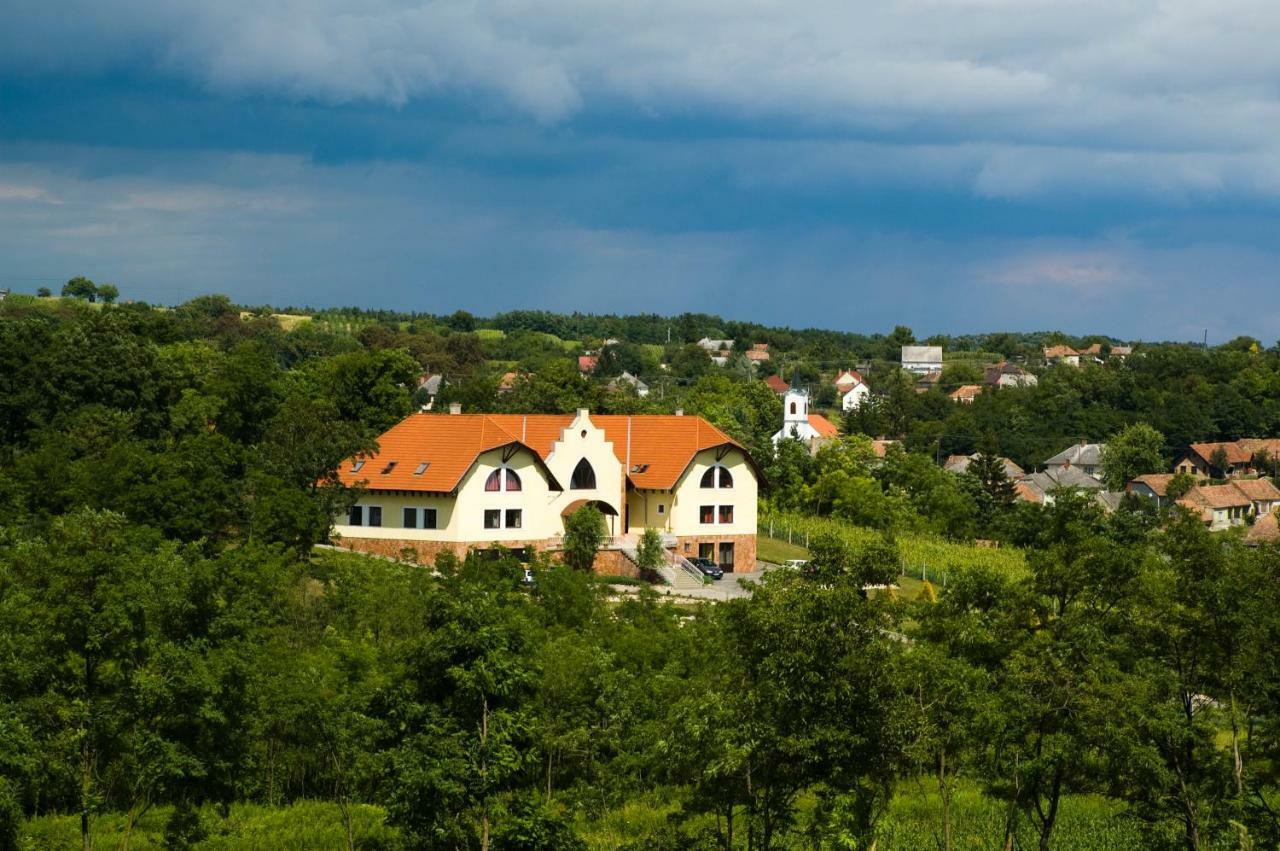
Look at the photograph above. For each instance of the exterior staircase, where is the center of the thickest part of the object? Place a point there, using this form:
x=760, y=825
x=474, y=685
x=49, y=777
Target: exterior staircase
x=681, y=574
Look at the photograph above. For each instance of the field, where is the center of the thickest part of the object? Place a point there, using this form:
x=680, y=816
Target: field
x=923, y=556
x=912, y=823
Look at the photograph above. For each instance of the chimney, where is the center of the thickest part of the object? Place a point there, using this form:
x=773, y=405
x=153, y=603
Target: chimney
x=582, y=412
x=455, y=408
x=679, y=412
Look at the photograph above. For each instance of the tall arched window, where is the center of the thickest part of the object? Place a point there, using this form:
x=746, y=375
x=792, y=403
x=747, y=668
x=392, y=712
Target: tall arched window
x=496, y=480
x=717, y=476
x=793, y=407
x=584, y=477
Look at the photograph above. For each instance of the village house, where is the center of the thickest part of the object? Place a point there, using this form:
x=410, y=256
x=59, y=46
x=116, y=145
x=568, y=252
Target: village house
x=1085, y=457
x=1226, y=459
x=929, y=380
x=1005, y=374
x=1042, y=488
x=960, y=464
x=455, y=482
x=813, y=430
x=587, y=363
x=1219, y=506
x=852, y=389
x=922, y=359
x=1054, y=355
x=1153, y=486
x=758, y=353
x=777, y=385
x=629, y=380
x=965, y=393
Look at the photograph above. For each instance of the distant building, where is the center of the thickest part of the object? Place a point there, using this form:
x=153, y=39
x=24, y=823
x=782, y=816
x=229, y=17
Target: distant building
x=627, y=379
x=587, y=363
x=961, y=463
x=810, y=429
x=852, y=389
x=1054, y=355
x=1086, y=457
x=777, y=385
x=1005, y=374
x=922, y=359
x=1233, y=458
x=758, y=353
x=966, y=393
x=1043, y=487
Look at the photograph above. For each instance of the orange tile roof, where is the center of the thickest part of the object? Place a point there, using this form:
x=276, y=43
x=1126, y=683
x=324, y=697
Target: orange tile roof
x=1265, y=530
x=1236, y=454
x=1060, y=352
x=966, y=391
x=823, y=426
x=1218, y=496
x=1157, y=482
x=849, y=376
x=661, y=446
x=1257, y=490
x=777, y=385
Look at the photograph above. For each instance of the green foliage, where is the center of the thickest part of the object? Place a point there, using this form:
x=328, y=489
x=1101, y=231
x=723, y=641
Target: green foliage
x=1132, y=452
x=584, y=532
x=650, y=551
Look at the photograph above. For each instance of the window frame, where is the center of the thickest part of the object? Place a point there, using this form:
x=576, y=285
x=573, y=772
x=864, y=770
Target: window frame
x=510, y=514
x=355, y=515
x=707, y=515
x=724, y=515
x=496, y=513
x=374, y=515
x=433, y=515
x=409, y=517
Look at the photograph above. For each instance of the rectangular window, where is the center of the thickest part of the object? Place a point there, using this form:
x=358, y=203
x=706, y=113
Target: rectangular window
x=726, y=514
x=662, y=509
x=411, y=518
x=355, y=517
x=707, y=514
x=493, y=518
x=514, y=516
x=707, y=551
x=726, y=555
x=375, y=515
x=428, y=518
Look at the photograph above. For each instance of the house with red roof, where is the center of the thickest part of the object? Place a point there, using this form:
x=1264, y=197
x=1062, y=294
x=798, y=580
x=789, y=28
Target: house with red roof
x=456, y=482
x=777, y=385
x=852, y=389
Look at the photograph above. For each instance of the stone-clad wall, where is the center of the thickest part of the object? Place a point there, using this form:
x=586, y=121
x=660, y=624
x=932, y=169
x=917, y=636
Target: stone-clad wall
x=744, y=548
x=607, y=563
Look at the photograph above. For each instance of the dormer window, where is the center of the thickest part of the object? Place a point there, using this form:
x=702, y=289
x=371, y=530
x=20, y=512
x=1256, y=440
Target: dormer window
x=717, y=477
x=584, y=477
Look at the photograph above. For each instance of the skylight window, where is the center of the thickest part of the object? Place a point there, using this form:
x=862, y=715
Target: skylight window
x=422, y=468
x=639, y=468
x=356, y=465
x=390, y=466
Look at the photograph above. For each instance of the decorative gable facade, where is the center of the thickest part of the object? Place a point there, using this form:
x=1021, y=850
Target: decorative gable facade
x=453, y=482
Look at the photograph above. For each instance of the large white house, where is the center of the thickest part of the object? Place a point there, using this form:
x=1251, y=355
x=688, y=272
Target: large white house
x=455, y=482
x=922, y=360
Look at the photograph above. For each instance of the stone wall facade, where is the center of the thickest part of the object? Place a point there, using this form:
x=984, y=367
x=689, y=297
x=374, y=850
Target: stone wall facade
x=744, y=548
x=607, y=563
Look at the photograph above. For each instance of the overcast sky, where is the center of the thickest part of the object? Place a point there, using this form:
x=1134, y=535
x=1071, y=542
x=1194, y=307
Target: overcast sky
x=954, y=165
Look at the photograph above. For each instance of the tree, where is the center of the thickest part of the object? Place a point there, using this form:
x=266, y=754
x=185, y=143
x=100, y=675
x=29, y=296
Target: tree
x=649, y=551
x=1219, y=462
x=1132, y=452
x=108, y=292
x=80, y=287
x=43, y=292
x=583, y=534
x=1179, y=486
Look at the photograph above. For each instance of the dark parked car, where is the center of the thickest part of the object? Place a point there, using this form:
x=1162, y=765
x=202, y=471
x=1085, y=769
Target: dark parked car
x=708, y=567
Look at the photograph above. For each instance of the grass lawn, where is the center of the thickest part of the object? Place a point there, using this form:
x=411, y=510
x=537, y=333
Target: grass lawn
x=777, y=551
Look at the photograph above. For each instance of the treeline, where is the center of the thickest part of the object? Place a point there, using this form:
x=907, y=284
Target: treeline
x=1129, y=663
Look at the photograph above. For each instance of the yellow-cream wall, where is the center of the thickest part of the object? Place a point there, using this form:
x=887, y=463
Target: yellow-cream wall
x=690, y=496
x=582, y=439
x=643, y=510
x=461, y=518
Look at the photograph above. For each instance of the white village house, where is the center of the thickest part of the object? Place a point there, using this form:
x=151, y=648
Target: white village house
x=922, y=360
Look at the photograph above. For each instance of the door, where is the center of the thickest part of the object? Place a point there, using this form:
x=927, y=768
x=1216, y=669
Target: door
x=726, y=556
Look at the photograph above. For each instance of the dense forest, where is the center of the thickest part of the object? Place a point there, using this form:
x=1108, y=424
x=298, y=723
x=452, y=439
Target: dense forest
x=177, y=651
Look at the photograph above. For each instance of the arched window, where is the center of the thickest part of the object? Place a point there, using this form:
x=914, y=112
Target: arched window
x=793, y=407
x=584, y=477
x=495, y=480
x=717, y=476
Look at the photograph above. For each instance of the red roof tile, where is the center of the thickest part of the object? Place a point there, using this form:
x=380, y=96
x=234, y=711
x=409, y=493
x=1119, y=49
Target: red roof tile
x=661, y=447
